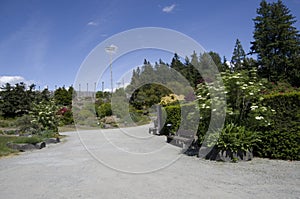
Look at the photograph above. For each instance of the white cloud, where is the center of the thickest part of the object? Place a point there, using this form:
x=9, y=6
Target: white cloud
x=13, y=80
x=169, y=9
x=92, y=23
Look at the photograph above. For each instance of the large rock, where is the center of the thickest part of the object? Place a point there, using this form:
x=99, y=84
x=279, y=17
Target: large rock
x=26, y=147
x=52, y=140
x=21, y=147
x=225, y=156
x=40, y=145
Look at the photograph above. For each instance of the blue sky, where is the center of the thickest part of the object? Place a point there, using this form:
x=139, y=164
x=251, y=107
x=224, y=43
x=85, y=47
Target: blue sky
x=45, y=41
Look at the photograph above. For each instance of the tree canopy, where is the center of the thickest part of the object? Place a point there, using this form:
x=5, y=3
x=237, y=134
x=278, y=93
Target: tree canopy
x=276, y=43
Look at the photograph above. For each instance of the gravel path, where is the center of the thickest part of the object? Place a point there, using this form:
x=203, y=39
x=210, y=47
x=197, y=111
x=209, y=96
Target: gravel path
x=132, y=164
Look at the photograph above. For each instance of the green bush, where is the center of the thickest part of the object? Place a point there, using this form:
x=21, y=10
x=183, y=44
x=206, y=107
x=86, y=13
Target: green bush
x=44, y=115
x=233, y=138
x=287, y=108
x=4, y=123
x=66, y=118
x=137, y=116
x=7, y=122
x=26, y=126
x=279, y=145
x=104, y=110
x=181, y=116
x=173, y=115
x=281, y=140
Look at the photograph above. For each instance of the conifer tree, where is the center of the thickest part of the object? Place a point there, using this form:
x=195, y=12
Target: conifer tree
x=238, y=56
x=276, y=43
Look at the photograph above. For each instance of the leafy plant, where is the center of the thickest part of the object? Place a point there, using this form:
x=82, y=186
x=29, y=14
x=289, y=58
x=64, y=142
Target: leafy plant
x=104, y=110
x=278, y=144
x=281, y=139
x=233, y=138
x=44, y=116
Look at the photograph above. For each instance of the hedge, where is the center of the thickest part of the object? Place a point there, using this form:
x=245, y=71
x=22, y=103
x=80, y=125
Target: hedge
x=282, y=139
x=180, y=116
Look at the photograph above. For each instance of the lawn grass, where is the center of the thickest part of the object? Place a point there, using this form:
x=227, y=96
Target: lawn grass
x=4, y=150
x=4, y=139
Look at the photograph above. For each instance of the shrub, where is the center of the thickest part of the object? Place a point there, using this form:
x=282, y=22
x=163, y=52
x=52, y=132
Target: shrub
x=282, y=138
x=243, y=91
x=104, y=110
x=7, y=122
x=137, y=116
x=26, y=126
x=279, y=87
x=182, y=116
x=279, y=145
x=172, y=117
x=287, y=108
x=44, y=115
x=65, y=116
x=233, y=138
x=171, y=99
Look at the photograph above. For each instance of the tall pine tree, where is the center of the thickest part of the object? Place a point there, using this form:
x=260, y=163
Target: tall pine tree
x=277, y=43
x=238, y=56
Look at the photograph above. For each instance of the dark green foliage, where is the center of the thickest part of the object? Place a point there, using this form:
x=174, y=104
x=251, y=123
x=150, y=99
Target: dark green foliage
x=7, y=122
x=63, y=97
x=148, y=95
x=180, y=116
x=103, y=104
x=279, y=87
x=287, y=108
x=282, y=139
x=279, y=145
x=173, y=115
x=104, y=110
x=149, y=84
x=238, y=56
x=277, y=43
x=104, y=96
x=217, y=61
x=65, y=116
x=234, y=138
x=16, y=100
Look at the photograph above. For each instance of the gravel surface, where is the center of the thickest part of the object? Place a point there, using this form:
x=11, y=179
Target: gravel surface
x=130, y=163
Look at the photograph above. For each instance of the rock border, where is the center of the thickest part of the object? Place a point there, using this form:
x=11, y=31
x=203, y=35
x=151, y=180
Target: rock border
x=22, y=147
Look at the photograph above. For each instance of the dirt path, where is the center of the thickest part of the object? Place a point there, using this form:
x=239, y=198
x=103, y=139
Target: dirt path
x=130, y=164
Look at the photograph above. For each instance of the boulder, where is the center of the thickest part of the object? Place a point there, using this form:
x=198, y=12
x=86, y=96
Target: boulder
x=40, y=145
x=52, y=140
x=21, y=147
x=225, y=156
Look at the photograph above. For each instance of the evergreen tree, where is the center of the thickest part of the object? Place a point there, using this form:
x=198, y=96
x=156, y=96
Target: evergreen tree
x=238, y=56
x=277, y=43
x=176, y=64
x=63, y=97
x=16, y=100
x=217, y=60
x=193, y=68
